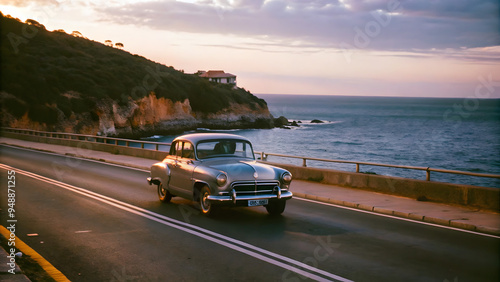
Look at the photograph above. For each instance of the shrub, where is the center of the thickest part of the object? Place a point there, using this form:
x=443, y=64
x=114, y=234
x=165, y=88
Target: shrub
x=16, y=107
x=43, y=114
x=82, y=105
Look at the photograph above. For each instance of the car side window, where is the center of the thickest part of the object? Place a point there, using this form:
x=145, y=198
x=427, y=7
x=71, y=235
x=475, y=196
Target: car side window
x=173, y=149
x=178, y=149
x=188, y=150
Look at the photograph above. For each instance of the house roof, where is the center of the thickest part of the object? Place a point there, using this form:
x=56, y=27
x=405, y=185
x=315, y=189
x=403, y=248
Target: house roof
x=216, y=74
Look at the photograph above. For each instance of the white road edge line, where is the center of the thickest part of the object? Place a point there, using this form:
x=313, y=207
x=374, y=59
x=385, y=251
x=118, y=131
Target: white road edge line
x=399, y=218
x=194, y=230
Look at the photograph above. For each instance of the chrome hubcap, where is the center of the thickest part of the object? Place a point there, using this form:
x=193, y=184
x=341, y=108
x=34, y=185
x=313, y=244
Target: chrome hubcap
x=162, y=191
x=205, y=204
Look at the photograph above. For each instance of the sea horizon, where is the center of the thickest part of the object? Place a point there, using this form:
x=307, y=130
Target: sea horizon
x=375, y=96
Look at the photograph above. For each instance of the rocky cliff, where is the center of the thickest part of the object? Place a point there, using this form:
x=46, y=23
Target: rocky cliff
x=152, y=115
x=144, y=117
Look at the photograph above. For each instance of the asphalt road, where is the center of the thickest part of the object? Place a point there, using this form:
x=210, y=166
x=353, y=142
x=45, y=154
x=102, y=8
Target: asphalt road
x=99, y=222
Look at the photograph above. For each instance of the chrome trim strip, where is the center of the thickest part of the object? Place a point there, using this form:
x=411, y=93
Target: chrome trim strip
x=254, y=192
x=253, y=183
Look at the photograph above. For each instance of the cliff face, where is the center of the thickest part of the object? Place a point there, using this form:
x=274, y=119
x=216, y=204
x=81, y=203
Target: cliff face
x=152, y=115
x=148, y=116
x=142, y=115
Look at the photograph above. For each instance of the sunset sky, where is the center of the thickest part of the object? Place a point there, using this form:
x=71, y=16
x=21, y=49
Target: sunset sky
x=434, y=48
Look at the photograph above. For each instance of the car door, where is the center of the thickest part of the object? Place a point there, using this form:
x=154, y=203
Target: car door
x=182, y=169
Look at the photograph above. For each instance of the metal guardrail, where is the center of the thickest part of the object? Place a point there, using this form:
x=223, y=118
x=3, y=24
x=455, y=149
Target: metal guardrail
x=92, y=138
x=263, y=155
x=428, y=170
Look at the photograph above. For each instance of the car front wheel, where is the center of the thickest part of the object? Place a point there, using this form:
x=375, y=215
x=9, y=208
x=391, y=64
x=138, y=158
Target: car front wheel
x=276, y=207
x=163, y=194
x=206, y=206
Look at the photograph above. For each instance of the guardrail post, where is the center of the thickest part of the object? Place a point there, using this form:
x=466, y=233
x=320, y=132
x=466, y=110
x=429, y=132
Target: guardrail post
x=127, y=143
x=142, y=145
x=428, y=174
x=157, y=147
x=304, y=164
x=357, y=167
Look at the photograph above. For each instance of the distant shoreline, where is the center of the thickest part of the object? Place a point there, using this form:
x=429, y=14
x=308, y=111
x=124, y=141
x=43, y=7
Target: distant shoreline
x=261, y=95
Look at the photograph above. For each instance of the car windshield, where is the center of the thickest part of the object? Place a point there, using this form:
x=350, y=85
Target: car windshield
x=224, y=148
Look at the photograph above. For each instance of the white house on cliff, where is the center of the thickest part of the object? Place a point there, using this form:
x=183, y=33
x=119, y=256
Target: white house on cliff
x=218, y=76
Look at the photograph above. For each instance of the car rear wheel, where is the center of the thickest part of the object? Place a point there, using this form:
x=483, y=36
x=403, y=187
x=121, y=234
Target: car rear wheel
x=163, y=194
x=276, y=207
x=206, y=206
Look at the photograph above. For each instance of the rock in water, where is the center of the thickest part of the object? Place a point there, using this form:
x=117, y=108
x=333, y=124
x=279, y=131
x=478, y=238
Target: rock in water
x=281, y=121
x=317, y=121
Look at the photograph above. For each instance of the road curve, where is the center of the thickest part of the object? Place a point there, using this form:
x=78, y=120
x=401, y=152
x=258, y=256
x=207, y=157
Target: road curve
x=96, y=221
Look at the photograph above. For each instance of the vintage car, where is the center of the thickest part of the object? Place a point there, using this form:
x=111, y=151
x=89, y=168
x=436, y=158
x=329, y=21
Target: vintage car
x=220, y=169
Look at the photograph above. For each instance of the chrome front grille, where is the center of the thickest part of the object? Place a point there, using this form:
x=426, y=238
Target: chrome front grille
x=253, y=187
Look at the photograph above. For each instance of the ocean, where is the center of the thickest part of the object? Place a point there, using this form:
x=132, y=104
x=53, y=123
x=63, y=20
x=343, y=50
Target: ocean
x=445, y=133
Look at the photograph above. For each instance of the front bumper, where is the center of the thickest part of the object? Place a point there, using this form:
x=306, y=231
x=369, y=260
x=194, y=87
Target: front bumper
x=278, y=194
x=153, y=181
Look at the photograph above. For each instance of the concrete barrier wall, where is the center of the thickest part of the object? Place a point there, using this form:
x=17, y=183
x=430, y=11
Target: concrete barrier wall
x=467, y=195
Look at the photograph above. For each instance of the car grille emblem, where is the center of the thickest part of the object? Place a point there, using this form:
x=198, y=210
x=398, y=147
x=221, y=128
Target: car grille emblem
x=255, y=175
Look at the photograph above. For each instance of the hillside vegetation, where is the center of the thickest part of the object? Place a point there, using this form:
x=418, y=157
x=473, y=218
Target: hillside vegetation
x=51, y=77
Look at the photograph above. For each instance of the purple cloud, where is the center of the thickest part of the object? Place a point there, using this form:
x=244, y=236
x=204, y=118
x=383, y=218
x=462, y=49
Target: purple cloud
x=403, y=25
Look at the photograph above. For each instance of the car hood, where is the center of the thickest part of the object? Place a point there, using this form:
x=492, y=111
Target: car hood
x=244, y=170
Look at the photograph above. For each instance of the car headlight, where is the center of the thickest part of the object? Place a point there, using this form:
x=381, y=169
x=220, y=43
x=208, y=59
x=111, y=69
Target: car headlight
x=286, y=177
x=221, y=179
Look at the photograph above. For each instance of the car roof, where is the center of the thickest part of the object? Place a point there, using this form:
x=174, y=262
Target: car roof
x=197, y=137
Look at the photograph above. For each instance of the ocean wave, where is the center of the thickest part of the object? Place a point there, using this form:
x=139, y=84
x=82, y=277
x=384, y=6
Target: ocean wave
x=346, y=143
x=309, y=122
x=154, y=137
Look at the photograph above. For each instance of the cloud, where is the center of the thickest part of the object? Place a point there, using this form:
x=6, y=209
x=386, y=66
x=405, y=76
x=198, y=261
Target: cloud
x=404, y=25
x=485, y=55
x=26, y=3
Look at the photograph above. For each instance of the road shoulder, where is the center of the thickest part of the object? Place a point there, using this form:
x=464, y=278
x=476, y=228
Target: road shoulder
x=24, y=262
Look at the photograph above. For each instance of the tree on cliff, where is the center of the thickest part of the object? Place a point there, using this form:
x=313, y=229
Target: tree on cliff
x=76, y=33
x=35, y=23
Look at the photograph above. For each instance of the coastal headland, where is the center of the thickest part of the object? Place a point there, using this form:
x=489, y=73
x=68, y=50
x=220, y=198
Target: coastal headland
x=55, y=81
